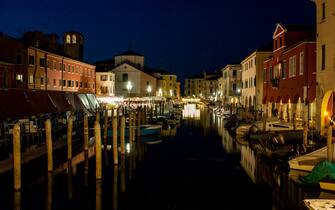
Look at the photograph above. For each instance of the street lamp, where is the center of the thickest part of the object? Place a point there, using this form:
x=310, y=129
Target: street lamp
x=149, y=91
x=129, y=87
x=160, y=92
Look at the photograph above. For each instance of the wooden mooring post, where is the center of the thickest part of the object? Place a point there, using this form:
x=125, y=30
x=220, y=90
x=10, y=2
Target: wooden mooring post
x=69, y=138
x=98, y=154
x=17, y=156
x=329, y=143
x=139, y=113
x=305, y=134
x=264, y=120
x=105, y=128
x=49, y=144
x=86, y=132
x=115, y=145
x=122, y=133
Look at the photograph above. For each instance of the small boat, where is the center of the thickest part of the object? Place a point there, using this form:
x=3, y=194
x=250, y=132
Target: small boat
x=320, y=204
x=308, y=161
x=146, y=130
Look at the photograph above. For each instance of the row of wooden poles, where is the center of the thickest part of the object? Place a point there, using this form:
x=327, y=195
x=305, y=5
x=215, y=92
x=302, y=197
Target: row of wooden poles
x=134, y=117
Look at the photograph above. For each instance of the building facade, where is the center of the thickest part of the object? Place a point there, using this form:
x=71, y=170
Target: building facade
x=231, y=84
x=47, y=68
x=210, y=85
x=325, y=66
x=7, y=75
x=289, y=76
x=193, y=86
x=168, y=84
x=105, y=83
x=252, y=79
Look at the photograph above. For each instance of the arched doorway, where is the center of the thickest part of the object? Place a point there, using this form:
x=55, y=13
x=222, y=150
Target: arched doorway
x=327, y=109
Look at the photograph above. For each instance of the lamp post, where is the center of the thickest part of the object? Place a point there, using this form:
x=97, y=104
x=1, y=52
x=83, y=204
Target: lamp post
x=149, y=91
x=129, y=87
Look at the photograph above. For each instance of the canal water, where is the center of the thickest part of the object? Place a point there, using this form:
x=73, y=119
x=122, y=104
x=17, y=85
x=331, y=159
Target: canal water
x=197, y=166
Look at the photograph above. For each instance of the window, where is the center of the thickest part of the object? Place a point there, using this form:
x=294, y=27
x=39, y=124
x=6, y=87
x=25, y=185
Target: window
x=19, y=77
x=42, y=80
x=110, y=78
x=77, y=83
x=323, y=54
x=64, y=83
x=31, y=60
x=255, y=81
x=234, y=73
x=74, y=39
x=234, y=87
x=54, y=82
x=301, y=63
x=31, y=79
x=68, y=39
x=124, y=77
x=72, y=68
x=68, y=68
x=103, y=77
x=72, y=83
x=280, y=41
x=292, y=66
x=81, y=84
x=42, y=62
x=18, y=59
x=85, y=84
x=283, y=71
x=323, y=10
x=63, y=67
x=69, y=83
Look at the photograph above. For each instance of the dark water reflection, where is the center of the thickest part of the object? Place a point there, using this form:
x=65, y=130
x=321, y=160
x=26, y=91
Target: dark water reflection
x=197, y=166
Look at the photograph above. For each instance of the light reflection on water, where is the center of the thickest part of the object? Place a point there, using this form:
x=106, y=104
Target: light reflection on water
x=284, y=191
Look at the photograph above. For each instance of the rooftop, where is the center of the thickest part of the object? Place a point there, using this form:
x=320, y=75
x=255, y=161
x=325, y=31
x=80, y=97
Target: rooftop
x=129, y=52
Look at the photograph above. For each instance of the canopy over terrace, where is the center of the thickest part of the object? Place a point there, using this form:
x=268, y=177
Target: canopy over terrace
x=16, y=103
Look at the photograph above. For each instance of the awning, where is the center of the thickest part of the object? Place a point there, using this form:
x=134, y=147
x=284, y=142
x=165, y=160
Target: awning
x=59, y=100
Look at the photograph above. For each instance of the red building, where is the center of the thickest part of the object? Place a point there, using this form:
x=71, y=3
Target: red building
x=7, y=76
x=42, y=63
x=290, y=75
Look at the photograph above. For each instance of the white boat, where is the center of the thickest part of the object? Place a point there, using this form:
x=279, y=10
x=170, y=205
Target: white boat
x=320, y=204
x=308, y=161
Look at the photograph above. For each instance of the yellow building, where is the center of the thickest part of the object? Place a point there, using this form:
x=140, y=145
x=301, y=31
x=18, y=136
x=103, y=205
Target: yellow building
x=325, y=69
x=169, y=87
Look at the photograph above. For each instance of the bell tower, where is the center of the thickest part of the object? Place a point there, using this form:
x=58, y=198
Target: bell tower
x=74, y=45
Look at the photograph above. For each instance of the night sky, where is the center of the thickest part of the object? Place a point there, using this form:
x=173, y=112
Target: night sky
x=182, y=36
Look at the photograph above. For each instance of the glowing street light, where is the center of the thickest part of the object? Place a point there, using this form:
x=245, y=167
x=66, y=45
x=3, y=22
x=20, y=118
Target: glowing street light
x=149, y=89
x=129, y=87
x=160, y=92
x=239, y=90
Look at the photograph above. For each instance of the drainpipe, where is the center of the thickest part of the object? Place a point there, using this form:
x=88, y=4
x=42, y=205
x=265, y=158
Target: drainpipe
x=62, y=75
x=46, y=70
